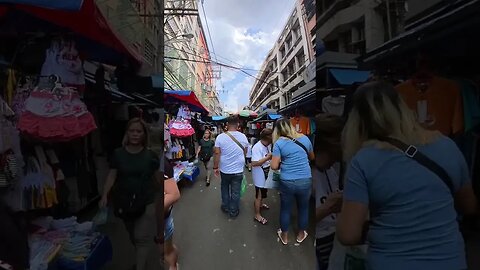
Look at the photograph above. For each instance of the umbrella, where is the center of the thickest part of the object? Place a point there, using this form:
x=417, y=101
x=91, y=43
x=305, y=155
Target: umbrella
x=248, y=113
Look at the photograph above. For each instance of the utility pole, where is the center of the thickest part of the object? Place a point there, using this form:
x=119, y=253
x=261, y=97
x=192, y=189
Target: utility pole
x=389, y=20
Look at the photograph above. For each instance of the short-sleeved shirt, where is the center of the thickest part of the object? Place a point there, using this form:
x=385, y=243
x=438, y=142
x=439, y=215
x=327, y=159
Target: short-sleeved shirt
x=135, y=172
x=413, y=219
x=206, y=147
x=232, y=157
x=294, y=160
x=325, y=183
x=260, y=151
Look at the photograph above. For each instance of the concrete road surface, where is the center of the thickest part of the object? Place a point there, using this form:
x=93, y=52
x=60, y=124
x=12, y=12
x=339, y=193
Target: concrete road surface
x=208, y=239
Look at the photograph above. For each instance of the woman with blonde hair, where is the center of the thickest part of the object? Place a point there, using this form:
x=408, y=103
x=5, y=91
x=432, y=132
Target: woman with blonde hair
x=291, y=154
x=408, y=180
x=133, y=172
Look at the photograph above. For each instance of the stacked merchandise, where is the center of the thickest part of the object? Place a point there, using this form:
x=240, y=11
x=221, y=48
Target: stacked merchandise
x=186, y=170
x=70, y=242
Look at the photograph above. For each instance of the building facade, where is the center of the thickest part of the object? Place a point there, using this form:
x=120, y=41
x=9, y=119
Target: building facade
x=357, y=26
x=187, y=57
x=282, y=72
x=138, y=23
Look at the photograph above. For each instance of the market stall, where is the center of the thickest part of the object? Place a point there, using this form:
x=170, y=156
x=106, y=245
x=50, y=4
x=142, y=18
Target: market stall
x=181, y=109
x=434, y=65
x=59, y=122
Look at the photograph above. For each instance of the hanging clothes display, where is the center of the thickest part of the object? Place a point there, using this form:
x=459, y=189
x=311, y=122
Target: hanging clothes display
x=56, y=114
x=184, y=113
x=38, y=186
x=10, y=152
x=301, y=124
x=437, y=102
x=181, y=128
x=62, y=59
x=333, y=105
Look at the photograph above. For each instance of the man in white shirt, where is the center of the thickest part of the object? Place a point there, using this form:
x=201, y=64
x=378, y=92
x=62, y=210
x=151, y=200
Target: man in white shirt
x=261, y=156
x=229, y=163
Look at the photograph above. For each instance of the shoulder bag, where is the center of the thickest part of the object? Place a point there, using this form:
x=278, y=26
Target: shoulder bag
x=244, y=180
x=205, y=156
x=237, y=142
x=302, y=146
x=129, y=204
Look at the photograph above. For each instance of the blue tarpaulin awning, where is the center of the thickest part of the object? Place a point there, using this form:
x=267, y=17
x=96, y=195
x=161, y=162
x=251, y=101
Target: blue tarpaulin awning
x=218, y=118
x=349, y=76
x=274, y=116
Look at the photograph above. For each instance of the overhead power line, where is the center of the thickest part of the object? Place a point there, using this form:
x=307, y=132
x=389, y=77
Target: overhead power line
x=217, y=62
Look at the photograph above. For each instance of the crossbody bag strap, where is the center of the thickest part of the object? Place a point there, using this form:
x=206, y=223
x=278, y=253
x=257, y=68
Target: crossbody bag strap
x=299, y=144
x=413, y=153
x=237, y=142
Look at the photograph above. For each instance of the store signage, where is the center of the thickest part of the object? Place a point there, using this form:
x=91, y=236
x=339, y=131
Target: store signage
x=70, y=5
x=310, y=72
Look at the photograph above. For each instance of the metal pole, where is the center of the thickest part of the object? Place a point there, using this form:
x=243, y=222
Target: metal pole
x=389, y=22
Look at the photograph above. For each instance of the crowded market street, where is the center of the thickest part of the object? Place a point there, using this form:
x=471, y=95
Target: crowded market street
x=208, y=239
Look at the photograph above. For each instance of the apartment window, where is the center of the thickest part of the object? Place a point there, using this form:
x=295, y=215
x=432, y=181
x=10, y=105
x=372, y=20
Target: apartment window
x=285, y=75
x=301, y=59
x=149, y=52
x=282, y=52
x=288, y=43
x=298, y=34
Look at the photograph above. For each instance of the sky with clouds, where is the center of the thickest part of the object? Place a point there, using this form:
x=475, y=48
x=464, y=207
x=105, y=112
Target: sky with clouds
x=243, y=32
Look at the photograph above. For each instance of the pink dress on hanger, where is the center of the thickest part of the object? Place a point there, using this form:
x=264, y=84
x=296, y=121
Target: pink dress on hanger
x=57, y=115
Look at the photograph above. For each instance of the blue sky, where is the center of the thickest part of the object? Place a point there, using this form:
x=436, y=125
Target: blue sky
x=242, y=32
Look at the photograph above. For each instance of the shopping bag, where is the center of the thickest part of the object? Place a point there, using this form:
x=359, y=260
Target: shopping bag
x=101, y=217
x=347, y=258
x=273, y=180
x=244, y=186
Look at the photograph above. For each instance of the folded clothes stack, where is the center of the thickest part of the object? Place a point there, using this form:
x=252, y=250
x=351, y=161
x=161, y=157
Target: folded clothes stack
x=67, y=224
x=79, y=246
x=41, y=252
x=66, y=237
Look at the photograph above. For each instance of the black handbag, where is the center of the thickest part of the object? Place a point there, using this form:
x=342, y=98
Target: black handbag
x=129, y=205
x=205, y=157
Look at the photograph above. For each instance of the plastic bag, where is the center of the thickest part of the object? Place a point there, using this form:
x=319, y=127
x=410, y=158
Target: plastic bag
x=273, y=180
x=244, y=186
x=347, y=258
x=101, y=217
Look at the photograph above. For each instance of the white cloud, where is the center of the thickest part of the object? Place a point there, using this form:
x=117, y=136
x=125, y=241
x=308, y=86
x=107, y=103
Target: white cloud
x=233, y=102
x=243, y=33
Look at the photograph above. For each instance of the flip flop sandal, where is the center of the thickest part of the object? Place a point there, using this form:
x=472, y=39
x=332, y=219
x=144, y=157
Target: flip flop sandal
x=265, y=206
x=305, y=235
x=262, y=221
x=279, y=233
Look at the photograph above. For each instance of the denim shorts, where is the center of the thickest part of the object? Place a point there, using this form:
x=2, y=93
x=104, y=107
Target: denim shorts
x=168, y=228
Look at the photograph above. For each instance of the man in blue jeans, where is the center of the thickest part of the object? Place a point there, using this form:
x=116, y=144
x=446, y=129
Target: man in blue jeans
x=229, y=163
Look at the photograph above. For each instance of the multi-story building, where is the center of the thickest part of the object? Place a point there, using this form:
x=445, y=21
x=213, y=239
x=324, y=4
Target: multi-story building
x=357, y=26
x=137, y=22
x=282, y=71
x=187, y=57
x=347, y=29
x=205, y=86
